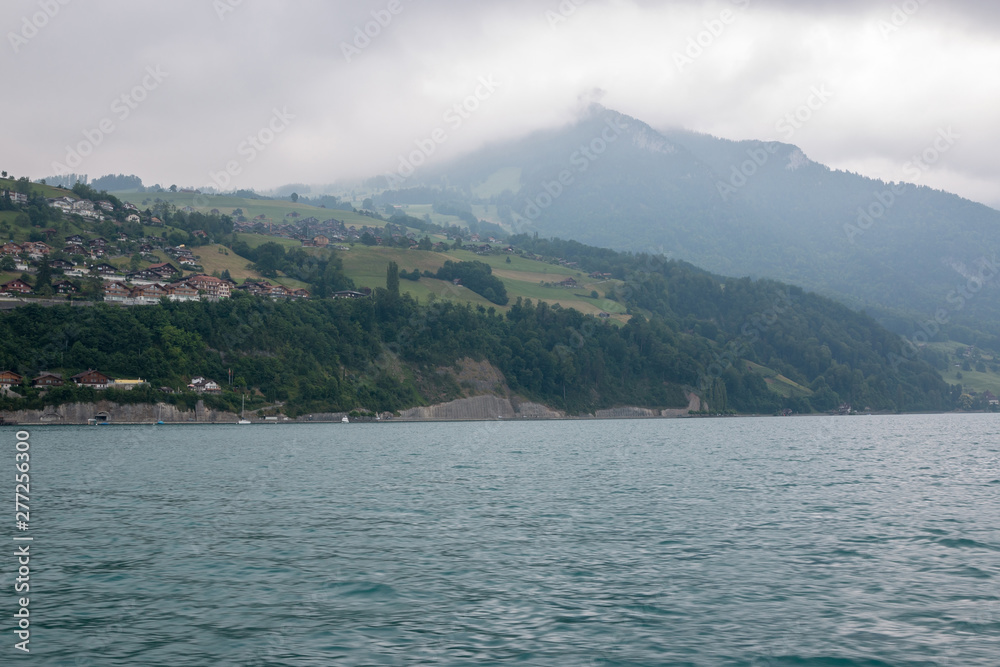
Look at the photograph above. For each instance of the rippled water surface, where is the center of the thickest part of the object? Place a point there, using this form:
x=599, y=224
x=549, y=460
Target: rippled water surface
x=814, y=541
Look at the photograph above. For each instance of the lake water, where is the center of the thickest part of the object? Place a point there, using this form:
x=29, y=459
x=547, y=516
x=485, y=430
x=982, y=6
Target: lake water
x=814, y=541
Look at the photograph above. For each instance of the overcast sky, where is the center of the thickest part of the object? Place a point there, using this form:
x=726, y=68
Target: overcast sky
x=201, y=76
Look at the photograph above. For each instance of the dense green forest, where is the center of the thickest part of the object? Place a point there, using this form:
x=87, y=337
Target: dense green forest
x=689, y=331
x=836, y=352
x=476, y=276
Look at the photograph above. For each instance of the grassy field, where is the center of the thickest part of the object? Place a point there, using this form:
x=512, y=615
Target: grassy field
x=367, y=267
x=218, y=258
x=213, y=260
x=45, y=190
x=21, y=234
x=778, y=383
x=487, y=213
x=15, y=232
x=508, y=178
x=257, y=240
x=420, y=210
x=974, y=380
x=971, y=380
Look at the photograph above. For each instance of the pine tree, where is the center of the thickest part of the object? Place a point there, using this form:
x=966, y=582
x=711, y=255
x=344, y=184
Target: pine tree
x=392, y=279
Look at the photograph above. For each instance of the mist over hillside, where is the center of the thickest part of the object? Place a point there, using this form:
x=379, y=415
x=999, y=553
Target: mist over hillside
x=902, y=251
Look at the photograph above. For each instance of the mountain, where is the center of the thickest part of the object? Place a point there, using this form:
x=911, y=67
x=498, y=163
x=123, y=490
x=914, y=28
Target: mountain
x=657, y=331
x=904, y=252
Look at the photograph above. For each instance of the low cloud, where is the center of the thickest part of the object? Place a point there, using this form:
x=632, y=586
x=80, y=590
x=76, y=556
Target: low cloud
x=896, y=78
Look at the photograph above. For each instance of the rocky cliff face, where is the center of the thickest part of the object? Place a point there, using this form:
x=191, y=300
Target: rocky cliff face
x=480, y=408
x=495, y=407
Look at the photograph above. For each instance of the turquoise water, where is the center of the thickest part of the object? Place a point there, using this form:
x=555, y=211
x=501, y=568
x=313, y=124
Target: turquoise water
x=820, y=541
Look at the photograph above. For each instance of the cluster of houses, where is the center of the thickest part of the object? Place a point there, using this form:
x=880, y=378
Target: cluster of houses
x=140, y=295
x=89, y=378
x=98, y=380
x=82, y=207
x=149, y=285
x=75, y=245
x=145, y=286
x=144, y=289
x=21, y=254
x=202, y=385
x=15, y=197
x=184, y=256
x=315, y=234
x=567, y=283
x=264, y=288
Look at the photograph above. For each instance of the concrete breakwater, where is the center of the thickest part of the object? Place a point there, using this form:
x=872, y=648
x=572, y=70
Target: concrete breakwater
x=81, y=413
x=695, y=404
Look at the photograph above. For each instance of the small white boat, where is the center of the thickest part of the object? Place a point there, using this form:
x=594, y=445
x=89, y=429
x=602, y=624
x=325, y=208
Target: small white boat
x=345, y=420
x=243, y=413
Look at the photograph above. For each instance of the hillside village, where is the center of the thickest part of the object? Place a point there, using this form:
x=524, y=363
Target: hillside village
x=88, y=266
x=80, y=265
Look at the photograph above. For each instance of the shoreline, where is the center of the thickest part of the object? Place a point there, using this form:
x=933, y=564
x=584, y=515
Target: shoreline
x=301, y=422
x=482, y=408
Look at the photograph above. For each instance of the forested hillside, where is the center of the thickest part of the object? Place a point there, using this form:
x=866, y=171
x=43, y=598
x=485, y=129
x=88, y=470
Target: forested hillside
x=743, y=345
